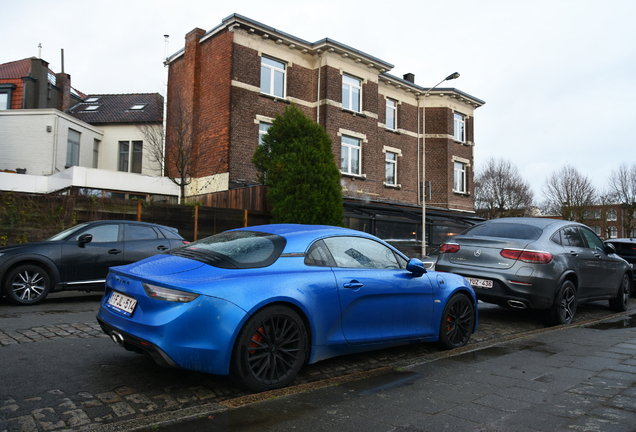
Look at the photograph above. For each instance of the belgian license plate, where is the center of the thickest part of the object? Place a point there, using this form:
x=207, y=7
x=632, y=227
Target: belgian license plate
x=480, y=283
x=121, y=303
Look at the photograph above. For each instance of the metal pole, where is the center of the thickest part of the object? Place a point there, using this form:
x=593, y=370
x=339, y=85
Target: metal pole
x=450, y=77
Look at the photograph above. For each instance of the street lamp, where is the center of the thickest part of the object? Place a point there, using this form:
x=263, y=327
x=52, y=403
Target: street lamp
x=448, y=78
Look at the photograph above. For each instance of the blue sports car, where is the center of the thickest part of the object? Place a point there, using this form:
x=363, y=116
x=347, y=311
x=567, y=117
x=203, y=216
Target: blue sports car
x=257, y=303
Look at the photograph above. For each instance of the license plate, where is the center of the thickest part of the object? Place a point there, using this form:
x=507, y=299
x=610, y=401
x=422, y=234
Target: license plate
x=480, y=283
x=121, y=303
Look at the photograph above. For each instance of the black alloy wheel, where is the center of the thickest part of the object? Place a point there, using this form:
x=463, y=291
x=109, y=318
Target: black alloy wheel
x=620, y=303
x=458, y=322
x=27, y=284
x=270, y=349
x=564, y=307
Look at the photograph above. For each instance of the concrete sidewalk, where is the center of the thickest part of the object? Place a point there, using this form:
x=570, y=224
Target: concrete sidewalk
x=577, y=378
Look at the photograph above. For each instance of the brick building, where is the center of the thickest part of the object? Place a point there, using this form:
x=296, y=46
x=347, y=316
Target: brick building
x=231, y=81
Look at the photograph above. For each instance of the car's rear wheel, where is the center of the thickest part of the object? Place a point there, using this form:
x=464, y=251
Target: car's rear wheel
x=270, y=349
x=27, y=284
x=564, y=307
x=458, y=322
x=620, y=303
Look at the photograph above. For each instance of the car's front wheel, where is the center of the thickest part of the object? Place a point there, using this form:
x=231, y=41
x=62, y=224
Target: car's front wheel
x=27, y=284
x=458, y=322
x=564, y=307
x=270, y=349
x=620, y=303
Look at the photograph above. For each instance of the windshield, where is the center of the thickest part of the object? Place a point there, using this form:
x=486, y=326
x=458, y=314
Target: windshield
x=67, y=232
x=504, y=230
x=235, y=249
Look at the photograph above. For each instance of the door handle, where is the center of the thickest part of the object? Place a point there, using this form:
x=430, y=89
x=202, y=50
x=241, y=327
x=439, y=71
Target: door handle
x=114, y=251
x=162, y=248
x=573, y=253
x=354, y=284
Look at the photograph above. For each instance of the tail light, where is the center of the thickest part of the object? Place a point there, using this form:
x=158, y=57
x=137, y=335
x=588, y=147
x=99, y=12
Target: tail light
x=449, y=248
x=185, y=242
x=532, y=257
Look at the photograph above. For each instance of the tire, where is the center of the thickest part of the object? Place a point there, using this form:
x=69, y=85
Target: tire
x=620, y=303
x=27, y=284
x=457, y=323
x=563, y=309
x=270, y=349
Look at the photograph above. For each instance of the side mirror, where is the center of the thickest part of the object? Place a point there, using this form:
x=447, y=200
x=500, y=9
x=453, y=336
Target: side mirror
x=84, y=238
x=416, y=267
x=609, y=248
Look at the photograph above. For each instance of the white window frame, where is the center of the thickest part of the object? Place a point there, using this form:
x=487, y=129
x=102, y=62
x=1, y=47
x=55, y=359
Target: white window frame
x=73, y=148
x=347, y=149
x=129, y=156
x=612, y=215
x=459, y=122
x=262, y=131
x=597, y=230
x=459, y=169
x=390, y=163
x=354, y=83
x=391, y=112
x=612, y=232
x=273, y=69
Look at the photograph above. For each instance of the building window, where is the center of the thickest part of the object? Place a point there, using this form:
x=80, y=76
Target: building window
x=6, y=94
x=459, y=127
x=459, y=184
x=262, y=131
x=613, y=232
x=390, y=161
x=350, y=155
x=272, y=77
x=128, y=162
x=596, y=229
x=593, y=214
x=391, y=114
x=351, y=93
x=96, y=153
x=72, y=148
x=611, y=215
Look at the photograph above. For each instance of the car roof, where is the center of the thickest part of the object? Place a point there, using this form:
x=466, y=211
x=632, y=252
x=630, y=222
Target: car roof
x=541, y=223
x=621, y=240
x=129, y=222
x=299, y=236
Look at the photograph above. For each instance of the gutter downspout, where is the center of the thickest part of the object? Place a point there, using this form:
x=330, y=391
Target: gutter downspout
x=53, y=165
x=318, y=93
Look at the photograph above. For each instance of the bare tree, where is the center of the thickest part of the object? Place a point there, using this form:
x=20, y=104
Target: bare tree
x=622, y=184
x=500, y=189
x=175, y=151
x=569, y=194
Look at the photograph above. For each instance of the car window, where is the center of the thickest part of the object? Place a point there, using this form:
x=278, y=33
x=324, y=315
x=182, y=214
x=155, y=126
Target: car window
x=571, y=236
x=140, y=232
x=235, y=249
x=169, y=234
x=102, y=233
x=357, y=252
x=592, y=239
x=67, y=232
x=504, y=230
x=318, y=255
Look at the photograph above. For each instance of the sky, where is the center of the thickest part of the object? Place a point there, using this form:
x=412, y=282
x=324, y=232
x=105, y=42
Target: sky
x=557, y=76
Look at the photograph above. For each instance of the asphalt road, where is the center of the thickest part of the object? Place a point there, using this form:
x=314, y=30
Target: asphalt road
x=59, y=371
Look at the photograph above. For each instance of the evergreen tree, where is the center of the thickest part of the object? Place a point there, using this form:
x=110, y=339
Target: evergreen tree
x=297, y=164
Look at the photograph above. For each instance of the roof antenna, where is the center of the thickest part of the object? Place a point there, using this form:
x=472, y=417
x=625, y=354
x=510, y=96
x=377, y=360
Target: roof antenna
x=40, y=50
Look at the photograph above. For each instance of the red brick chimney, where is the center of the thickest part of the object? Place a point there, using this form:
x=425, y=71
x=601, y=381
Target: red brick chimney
x=63, y=81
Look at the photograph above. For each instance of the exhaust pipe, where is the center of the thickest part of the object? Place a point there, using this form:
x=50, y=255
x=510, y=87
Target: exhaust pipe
x=516, y=304
x=117, y=338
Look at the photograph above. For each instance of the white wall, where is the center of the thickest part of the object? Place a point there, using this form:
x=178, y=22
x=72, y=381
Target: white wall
x=109, y=149
x=26, y=142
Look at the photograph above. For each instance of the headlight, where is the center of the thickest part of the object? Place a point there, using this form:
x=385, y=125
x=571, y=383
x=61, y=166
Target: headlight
x=167, y=294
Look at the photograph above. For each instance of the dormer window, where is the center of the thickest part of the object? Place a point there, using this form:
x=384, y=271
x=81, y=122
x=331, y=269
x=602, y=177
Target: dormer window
x=91, y=108
x=91, y=99
x=137, y=107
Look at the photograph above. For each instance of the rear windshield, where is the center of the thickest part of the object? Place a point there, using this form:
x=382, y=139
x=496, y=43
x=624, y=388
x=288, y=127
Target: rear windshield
x=235, y=249
x=504, y=230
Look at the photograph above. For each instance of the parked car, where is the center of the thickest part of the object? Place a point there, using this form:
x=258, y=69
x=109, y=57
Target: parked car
x=79, y=257
x=257, y=303
x=538, y=263
x=626, y=249
x=431, y=259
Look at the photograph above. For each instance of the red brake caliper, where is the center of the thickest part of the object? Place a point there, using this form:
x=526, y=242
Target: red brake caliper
x=256, y=339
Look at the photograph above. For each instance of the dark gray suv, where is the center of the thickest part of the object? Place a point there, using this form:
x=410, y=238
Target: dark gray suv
x=538, y=263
